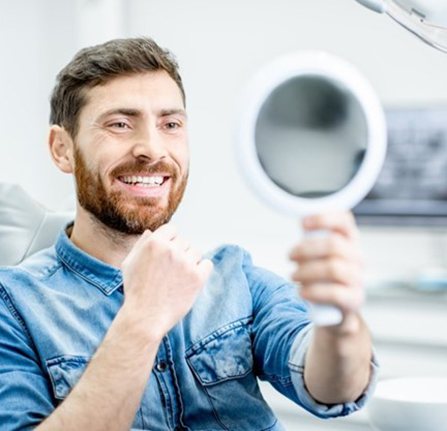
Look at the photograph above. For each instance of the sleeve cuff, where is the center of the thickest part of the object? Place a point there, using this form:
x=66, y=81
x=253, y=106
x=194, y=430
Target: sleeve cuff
x=324, y=411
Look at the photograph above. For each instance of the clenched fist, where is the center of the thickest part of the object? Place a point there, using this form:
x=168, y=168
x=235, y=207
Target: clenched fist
x=162, y=277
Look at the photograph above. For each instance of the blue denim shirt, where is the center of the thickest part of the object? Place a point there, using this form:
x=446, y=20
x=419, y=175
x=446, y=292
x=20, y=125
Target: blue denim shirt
x=247, y=323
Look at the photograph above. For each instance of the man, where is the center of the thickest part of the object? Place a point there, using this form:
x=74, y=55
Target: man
x=124, y=321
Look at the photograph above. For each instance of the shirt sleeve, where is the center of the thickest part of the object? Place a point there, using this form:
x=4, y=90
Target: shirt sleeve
x=281, y=335
x=324, y=411
x=25, y=397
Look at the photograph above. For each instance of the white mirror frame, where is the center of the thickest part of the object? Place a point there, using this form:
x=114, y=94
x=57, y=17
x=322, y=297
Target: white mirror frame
x=340, y=73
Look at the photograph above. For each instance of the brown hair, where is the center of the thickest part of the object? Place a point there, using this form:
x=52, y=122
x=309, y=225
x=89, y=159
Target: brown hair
x=96, y=65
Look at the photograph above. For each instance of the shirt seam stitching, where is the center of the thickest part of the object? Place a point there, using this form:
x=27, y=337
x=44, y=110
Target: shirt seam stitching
x=199, y=344
x=9, y=303
x=74, y=270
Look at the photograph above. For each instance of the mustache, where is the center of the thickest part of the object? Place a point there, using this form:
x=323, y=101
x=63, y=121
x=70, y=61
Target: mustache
x=143, y=167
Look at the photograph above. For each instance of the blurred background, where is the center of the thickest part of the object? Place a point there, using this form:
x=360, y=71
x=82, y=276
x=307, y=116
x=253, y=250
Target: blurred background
x=220, y=45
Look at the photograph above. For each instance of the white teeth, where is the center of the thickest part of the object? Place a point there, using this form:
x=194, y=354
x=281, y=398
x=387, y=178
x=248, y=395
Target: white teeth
x=147, y=181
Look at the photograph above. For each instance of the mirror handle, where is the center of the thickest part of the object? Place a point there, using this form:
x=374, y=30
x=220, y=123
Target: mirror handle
x=325, y=315
x=322, y=314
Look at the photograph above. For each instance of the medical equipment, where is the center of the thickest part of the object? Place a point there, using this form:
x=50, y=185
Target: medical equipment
x=427, y=19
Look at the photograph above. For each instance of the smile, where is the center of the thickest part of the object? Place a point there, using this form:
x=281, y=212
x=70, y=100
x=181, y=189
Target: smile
x=144, y=181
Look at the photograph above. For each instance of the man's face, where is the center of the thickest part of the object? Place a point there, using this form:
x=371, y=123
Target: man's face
x=131, y=152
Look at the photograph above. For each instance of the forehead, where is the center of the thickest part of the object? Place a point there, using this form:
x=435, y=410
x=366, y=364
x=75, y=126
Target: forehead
x=148, y=90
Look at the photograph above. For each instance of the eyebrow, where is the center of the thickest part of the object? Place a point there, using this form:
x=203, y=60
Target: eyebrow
x=130, y=112
x=167, y=112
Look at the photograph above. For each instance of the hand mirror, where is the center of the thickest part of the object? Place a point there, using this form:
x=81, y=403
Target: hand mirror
x=311, y=139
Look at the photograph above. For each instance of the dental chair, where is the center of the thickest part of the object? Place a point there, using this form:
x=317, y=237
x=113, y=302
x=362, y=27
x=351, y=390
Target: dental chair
x=25, y=225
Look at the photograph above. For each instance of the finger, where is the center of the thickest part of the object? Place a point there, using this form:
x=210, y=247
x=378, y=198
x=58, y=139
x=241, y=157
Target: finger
x=333, y=245
x=140, y=244
x=334, y=270
x=341, y=222
x=166, y=232
x=159, y=237
x=180, y=244
x=193, y=255
x=345, y=298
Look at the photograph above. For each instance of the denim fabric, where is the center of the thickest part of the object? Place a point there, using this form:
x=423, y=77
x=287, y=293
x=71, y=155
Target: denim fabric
x=247, y=323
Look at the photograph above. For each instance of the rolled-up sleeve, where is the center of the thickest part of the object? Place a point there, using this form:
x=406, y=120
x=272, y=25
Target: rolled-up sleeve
x=281, y=336
x=25, y=397
x=297, y=364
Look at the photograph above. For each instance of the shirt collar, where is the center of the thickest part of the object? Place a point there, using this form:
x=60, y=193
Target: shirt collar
x=105, y=277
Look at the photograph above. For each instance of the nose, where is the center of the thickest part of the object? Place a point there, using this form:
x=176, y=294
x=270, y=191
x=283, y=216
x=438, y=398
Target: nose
x=149, y=144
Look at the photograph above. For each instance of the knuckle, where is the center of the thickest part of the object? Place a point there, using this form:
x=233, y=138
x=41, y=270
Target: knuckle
x=355, y=300
x=333, y=268
x=293, y=252
x=154, y=242
x=336, y=296
x=146, y=234
x=296, y=275
x=334, y=244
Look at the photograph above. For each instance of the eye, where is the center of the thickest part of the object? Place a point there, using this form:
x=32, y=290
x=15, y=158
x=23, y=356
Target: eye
x=172, y=125
x=120, y=125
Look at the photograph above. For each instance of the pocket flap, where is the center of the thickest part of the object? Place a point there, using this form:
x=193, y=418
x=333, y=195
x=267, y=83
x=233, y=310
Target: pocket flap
x=225, y=354
x=65, y=371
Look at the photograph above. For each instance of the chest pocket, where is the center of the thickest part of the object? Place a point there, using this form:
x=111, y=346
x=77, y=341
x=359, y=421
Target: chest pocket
x=223, y=365
x=226, y=354
x=65, y=372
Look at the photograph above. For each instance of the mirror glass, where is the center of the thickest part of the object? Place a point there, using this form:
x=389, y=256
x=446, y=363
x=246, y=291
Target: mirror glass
x=311, y=136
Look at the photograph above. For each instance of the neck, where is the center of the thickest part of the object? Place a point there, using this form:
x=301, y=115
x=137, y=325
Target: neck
x=99, y=241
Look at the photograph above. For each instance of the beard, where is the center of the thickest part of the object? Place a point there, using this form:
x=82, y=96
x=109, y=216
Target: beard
x=119, y=212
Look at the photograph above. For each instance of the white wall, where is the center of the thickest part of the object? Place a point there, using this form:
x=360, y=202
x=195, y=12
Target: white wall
x=37, y=39
x=219, y=46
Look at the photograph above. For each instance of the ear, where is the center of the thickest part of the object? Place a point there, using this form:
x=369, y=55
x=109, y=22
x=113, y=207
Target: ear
x=61, y=149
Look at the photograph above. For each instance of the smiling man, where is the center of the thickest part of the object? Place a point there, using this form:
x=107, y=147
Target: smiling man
x=123, y=324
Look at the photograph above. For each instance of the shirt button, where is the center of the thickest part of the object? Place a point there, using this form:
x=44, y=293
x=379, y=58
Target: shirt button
x=161, y=366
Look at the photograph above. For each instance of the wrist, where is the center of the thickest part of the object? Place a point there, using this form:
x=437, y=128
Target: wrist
x=351, y=325
x=139, y=325
x=344, y=338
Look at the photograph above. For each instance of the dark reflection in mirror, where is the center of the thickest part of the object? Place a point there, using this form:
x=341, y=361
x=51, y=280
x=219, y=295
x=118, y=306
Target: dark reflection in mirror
x=311, y=136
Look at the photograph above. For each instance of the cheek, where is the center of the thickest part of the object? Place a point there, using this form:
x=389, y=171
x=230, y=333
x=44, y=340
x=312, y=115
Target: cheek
x=181, y=156
x=99, y=172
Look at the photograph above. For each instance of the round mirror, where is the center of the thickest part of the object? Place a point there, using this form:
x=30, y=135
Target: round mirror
x=312, y=138
x=312, y=134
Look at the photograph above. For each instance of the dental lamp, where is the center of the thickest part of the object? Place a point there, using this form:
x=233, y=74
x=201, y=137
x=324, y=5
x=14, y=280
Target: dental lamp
x=427, y=19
